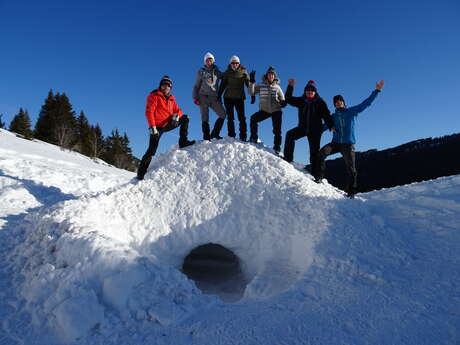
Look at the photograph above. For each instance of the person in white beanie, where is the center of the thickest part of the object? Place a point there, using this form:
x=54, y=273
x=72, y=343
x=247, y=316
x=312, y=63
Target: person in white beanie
x=204, y=95
x=232, y=88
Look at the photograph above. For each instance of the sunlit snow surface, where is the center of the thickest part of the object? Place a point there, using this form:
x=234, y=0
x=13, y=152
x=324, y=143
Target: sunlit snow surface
x=91, y=257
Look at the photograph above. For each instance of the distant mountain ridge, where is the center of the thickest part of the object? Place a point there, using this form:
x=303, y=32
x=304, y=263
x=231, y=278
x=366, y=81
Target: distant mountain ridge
x=415, y=161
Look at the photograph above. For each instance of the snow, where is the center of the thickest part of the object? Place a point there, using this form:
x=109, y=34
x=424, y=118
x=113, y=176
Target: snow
x=92, y=257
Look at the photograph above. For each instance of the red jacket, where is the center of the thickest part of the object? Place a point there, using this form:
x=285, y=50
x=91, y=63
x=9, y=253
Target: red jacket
x=159, y=108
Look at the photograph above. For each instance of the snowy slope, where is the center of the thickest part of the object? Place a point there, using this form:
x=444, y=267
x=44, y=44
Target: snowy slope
x=99, y=262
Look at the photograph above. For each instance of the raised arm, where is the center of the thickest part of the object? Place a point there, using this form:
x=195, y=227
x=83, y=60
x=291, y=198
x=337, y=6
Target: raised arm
x=368, y=101
x=294, y=101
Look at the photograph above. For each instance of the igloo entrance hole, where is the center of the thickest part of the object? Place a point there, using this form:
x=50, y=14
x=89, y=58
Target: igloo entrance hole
x=216, y=270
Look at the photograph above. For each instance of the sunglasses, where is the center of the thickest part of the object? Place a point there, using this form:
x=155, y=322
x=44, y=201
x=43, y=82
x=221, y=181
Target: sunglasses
x=165, y=83
x=235, y=63
x=310, y=90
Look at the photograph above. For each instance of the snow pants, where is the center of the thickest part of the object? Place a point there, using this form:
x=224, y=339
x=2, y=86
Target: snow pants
x=230, y=105
x=314, y=141
x=348, y=154
x=276, y=121
x=154, y=141
x=212, y=102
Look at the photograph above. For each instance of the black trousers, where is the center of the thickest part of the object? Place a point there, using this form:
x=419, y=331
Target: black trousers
x=154, y=141
x=348, y=154
x=313, y=141
x=230, y=106
x=276, y=121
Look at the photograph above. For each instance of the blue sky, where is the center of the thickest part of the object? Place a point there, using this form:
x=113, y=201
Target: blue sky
x=107, y=56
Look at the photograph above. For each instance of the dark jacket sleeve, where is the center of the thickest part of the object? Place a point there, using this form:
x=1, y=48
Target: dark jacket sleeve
x=223, y=85
x=294, y=101
x=326, y=115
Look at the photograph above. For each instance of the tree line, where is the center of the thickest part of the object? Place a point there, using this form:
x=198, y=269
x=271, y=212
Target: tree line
x=58, y=124
x=419, y=160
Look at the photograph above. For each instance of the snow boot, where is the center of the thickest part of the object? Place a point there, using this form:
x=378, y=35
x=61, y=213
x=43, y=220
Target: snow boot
x=217, y=127
x=206, y=129
x=185, y=142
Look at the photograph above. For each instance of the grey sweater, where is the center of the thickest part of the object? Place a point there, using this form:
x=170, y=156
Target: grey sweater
x=207, y=81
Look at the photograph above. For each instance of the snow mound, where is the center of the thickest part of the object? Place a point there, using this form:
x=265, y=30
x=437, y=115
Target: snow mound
x=121, y=251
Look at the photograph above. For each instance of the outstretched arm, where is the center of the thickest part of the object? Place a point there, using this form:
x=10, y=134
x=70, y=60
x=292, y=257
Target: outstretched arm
x=294, y=101
x=368, y=101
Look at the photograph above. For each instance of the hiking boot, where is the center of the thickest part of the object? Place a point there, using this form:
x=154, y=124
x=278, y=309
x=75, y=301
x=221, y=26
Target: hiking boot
x=185, y=143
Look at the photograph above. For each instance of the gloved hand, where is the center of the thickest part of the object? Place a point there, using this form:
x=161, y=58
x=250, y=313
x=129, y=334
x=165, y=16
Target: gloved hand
x=175, y=120
x=283, y=103
x=196, y=101
x=252, y=76
x=253, y=99
x=154, y=131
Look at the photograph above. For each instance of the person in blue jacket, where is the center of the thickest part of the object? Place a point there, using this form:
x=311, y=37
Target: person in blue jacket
x=343, y=139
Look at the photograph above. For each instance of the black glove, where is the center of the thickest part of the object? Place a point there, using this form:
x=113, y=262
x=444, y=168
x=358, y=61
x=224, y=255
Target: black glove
x=283, y=103
x=253, y=99
x=154, y=131
x=252, y=76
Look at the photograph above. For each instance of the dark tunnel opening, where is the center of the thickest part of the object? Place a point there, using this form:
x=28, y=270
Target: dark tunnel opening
x=216, y=270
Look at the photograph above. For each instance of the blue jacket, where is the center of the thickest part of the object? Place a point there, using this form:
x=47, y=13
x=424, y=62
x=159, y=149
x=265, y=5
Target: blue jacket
x=344, y=120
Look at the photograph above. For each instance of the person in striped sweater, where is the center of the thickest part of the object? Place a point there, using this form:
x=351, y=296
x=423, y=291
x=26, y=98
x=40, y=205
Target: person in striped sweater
x=271, y=100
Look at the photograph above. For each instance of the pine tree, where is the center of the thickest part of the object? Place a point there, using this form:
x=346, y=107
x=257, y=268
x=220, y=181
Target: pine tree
x=21, y=124
x=66, y=123
x=83, y=137
x=96, y=142
x=2, y=124
x=117, y=151
x=44, y=127
x=56, y=122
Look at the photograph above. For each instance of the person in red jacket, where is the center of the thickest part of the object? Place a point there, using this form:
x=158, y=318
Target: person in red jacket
x=163, y=115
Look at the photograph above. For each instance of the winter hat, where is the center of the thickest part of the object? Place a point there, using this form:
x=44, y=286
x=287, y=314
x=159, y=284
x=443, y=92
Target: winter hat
x=270, y=70
x=207, y=56
x=166, y=80
x=311, y=85
x=338, y=98
x=234, y=58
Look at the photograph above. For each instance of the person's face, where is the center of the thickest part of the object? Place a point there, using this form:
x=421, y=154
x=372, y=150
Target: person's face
x=339, y=104
x=310, y=93
x=235, y=65
x=165, y=88
x=209, y=62
x=270, y=77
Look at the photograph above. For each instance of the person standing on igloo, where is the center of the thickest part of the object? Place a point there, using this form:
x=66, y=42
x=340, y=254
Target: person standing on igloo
x=271, y=100
x=163, y=115
x=205, y=96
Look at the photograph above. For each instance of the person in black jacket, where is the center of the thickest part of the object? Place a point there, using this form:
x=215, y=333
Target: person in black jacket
x=312, y=112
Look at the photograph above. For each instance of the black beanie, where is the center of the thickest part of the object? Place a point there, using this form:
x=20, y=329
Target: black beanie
x=338, y=98
x=166, y=80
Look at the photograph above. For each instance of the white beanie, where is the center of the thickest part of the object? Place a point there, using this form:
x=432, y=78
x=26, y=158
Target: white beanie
x=207, y=56
x=235, y=58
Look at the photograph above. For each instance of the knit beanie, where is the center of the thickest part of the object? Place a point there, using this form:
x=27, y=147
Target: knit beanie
x=338, y=98
x=270, y=70
x=166, y=80
x=311, y=85
x=207, y=56
x=234, y=58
